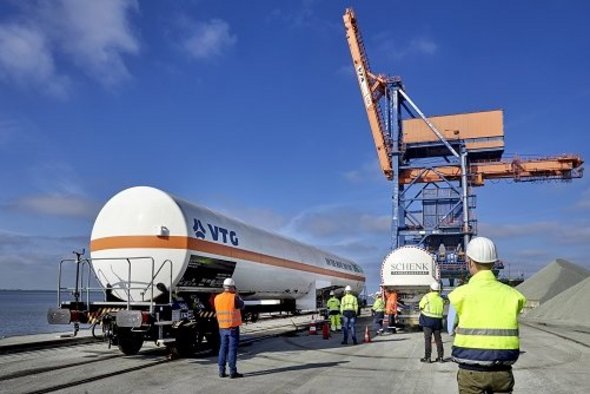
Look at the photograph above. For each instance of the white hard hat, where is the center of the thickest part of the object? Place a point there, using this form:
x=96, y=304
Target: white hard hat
x=332, y=292
x=482, y=250
x=348, y=288
x=229, y=282
x=435, y=286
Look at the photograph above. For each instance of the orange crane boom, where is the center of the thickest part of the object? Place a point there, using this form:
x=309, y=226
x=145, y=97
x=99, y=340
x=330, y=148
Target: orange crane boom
x=372, y=89
x=465, y=127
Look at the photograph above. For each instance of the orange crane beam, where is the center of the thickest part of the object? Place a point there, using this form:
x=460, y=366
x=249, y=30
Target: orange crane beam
x=561, y=167
x=372, y=89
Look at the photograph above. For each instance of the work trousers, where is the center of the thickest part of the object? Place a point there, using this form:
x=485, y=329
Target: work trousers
x=335, y=321
x=428, y=342
x=391, y=323
x=378, y=321
x=484, y=382
x=348, y=322
x=228, y=349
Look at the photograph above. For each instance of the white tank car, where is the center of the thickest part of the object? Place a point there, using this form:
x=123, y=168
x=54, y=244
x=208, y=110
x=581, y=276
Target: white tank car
x=205, y=247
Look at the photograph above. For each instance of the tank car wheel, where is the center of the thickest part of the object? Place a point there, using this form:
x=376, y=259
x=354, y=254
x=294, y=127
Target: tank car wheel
x=129, y=342
x=187, y=342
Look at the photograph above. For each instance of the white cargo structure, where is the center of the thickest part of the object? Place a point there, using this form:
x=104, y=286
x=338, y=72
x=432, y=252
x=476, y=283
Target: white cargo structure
x=409, y=271
x=161, y=260
x=203, y=248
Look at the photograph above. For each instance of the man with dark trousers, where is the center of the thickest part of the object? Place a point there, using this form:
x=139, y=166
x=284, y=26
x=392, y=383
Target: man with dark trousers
x=431, y=317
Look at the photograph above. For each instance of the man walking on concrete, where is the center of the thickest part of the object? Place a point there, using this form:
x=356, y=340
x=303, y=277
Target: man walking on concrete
x=486, y=339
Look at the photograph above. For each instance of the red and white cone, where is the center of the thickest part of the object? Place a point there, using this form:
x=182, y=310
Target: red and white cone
x=367, y=335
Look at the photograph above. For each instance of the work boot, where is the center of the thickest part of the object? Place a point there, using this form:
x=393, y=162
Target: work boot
x=222, y=374
x=440, y=360
x=425, y=360
x=236, y=375
x=344, y=343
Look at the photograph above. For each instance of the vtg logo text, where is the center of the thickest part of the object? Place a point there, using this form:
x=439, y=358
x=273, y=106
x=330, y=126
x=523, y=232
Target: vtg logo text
x=216, y=233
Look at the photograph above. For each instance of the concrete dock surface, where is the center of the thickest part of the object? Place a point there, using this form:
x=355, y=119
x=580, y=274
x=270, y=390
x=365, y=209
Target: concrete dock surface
x=550, y=362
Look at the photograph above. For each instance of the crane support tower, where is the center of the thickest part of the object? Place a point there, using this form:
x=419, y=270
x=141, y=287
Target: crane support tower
x=435, y=162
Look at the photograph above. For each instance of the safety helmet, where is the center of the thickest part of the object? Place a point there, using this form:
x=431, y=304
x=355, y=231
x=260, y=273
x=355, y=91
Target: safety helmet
x=482, y=250
x=229, y=282
x=332, y=292
x=348, y=288
x=435, y=286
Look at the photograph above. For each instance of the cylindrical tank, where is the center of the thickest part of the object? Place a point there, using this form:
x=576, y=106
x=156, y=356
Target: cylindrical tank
x=204, y=247
x=409, y=267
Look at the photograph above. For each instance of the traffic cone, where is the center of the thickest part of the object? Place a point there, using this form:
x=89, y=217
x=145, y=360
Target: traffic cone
x=367, y=335
x=312, y=329
x=326, y=331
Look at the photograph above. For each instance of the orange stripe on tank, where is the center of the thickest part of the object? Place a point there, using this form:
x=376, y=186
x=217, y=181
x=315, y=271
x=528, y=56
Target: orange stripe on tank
x=179, y=242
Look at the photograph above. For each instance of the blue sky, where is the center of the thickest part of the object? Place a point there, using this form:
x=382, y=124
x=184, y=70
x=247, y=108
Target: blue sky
x=252, y=109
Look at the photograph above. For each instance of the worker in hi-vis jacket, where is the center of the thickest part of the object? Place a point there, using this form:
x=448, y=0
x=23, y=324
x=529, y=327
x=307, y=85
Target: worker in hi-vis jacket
x=349, y=307
x=333, y=305
x=228, y=306
x=486, y=338
x=391, y=310
x=378, y=311
x=431, y=319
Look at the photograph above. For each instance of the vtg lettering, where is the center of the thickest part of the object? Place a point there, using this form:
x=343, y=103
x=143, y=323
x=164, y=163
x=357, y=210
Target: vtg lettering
x=216, y=233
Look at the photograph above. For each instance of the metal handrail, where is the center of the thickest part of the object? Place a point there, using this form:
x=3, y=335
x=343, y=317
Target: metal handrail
x=154, y=275
x=88, y=262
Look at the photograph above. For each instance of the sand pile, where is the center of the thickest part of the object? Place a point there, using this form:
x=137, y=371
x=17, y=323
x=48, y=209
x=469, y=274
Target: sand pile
x=558, y=276
x=570, y=307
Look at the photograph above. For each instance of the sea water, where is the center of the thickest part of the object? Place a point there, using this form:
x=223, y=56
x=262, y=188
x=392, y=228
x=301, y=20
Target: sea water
x=24, y=312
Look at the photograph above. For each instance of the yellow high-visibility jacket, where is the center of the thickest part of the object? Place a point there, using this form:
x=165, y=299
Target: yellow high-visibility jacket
x=349, y=303
x=432, y=305
x=487, y=334
x=333, y=304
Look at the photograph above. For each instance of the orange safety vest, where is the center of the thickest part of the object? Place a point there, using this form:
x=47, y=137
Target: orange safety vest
x=228, y=316
x=391, y=305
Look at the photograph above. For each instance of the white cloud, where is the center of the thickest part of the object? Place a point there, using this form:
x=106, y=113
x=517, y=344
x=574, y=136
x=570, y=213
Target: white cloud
x=397, y=49
x=210, y=39
x=55, y=205
x=368, y=172
x=423, y=46
x=95, y=34
x=92, y=35
x=338, y=222
x=26, y=58
x=31, y=261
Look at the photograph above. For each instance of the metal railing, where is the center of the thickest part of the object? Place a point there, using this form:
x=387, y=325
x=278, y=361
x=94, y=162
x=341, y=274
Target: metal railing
x=84, y=268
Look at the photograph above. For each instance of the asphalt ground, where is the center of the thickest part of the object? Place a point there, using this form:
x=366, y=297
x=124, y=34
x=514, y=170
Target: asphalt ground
x=550, y=362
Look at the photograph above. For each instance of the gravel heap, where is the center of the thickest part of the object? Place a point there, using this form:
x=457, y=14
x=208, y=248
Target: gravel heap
x=570, y=307
x=558, y=276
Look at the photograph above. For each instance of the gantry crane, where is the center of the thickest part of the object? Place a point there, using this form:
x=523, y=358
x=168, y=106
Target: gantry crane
x=434, y=162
